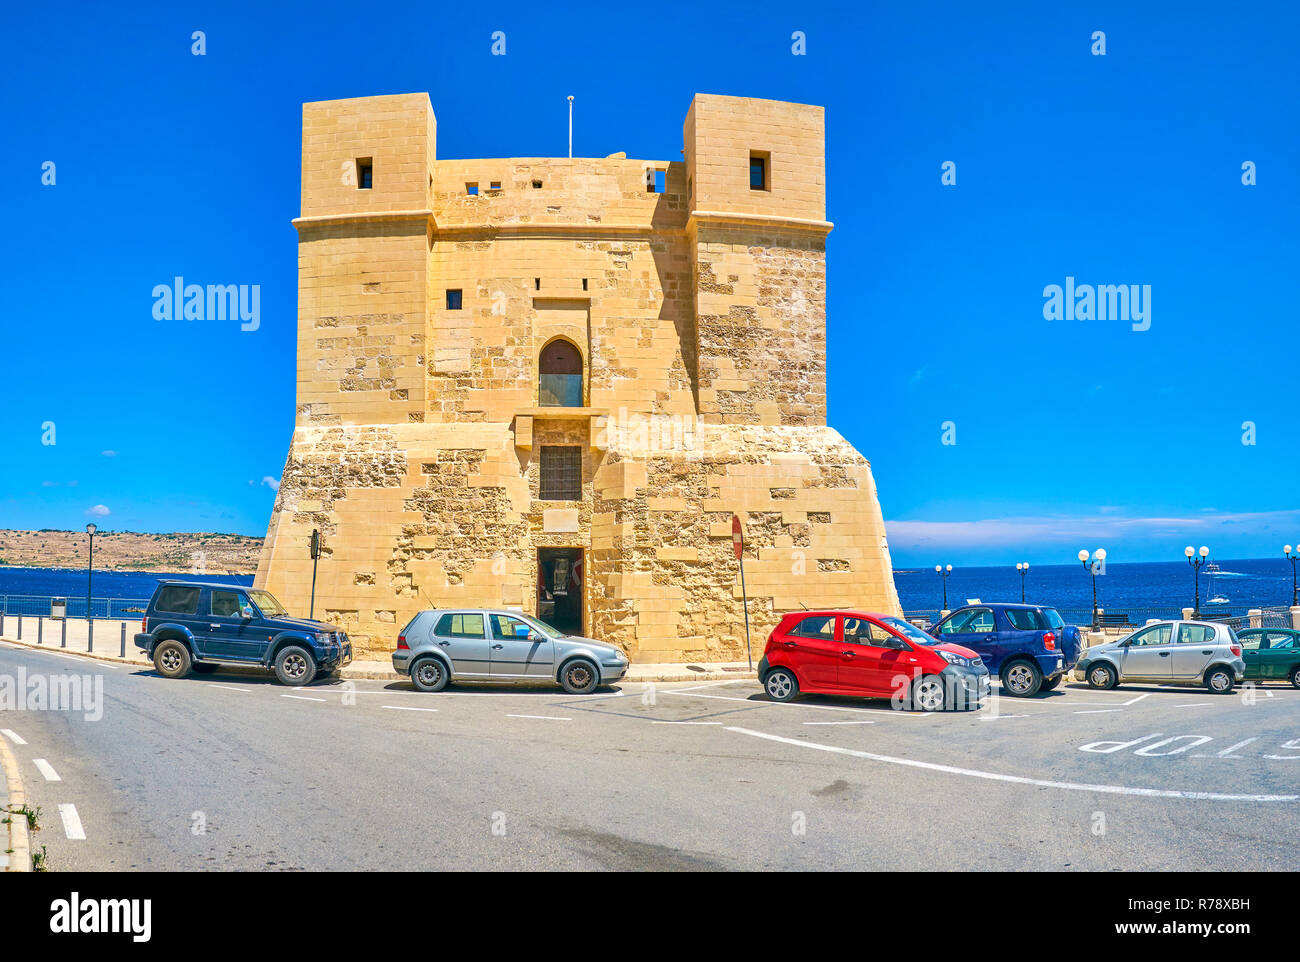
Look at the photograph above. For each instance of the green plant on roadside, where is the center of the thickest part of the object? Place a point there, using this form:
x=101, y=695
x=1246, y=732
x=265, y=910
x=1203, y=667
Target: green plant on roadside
x=40, y=861
x=33, y=816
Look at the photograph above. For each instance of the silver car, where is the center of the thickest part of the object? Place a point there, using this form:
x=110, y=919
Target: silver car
x=1174, y=652
x=510, y=647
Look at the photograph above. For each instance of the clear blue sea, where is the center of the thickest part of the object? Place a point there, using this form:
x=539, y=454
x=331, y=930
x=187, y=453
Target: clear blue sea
x=71, y=582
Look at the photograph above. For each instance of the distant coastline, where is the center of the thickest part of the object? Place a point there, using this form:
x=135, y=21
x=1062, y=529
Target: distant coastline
x=131, y=551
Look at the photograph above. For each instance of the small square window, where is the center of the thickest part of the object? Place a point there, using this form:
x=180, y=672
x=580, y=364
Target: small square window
x=365, y=173
x=495, y=185
x=537, y=283
x=561, y=473
x=472, y=189
x=758, y=170
x=584, y=283
x=655, y=181
x=453, y=300
x=537, y=184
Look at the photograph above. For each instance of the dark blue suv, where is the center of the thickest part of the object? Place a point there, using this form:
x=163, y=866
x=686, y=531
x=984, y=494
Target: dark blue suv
x=193, y=624
x=1029, y=647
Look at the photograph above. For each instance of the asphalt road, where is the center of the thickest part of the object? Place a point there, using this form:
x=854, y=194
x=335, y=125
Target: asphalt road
x=234, y=772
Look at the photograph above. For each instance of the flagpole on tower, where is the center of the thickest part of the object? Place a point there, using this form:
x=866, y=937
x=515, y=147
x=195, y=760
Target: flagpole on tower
x=570, y=126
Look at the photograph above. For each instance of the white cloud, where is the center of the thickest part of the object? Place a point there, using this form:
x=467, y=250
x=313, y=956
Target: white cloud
x=109, y=454
x=98, y=511
x=272, y=483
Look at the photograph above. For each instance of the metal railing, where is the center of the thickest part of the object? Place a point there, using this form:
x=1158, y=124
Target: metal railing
x=44, y=606
x=1235, y=616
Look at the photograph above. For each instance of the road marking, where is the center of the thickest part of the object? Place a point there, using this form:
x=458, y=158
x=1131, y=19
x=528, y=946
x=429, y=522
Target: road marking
x=838, y=723
x=302, y=698
x=1018, y=779
x=1097, y=711
x=541, y=717
x=996, y=717
x=684, y=723
x=406, y=708
x=72, y=823
x=1199, y=704
x=1134, y=701
x=787, y=704
x=242, y=691
x=13, y=736
x=46, y=769
x=1231, y=748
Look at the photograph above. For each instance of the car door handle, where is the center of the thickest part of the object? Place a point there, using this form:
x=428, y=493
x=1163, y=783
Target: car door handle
x=1164, y=654
x=1207, y=651
x=214, y=626
x=789, y=644
x=497, y=647
x=848, y=654
x=444, y=643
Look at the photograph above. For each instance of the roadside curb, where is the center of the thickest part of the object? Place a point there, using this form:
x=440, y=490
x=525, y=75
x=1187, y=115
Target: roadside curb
x=20, y=855
x=92, y=655
x=675, y=674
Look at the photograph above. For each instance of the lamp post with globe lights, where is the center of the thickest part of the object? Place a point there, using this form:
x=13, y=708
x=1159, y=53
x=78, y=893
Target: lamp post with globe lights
x=944, y=574
x=1196, y=563
x=1023, y=568
x=1293, y=558
x=1094, y=563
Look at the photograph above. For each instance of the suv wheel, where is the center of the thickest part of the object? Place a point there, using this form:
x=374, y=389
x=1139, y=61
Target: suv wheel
x=1050, y=683
x=928, y=693
x=1219, y=680
x=1295, y=676
x=1102, y=676
x=294, y=666
x=172, y=659
x=780, y=684
x=428, y=674
x=1022, y=679
x=579, y=677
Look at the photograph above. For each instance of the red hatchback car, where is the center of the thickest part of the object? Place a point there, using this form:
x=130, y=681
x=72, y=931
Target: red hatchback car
x=877, y=656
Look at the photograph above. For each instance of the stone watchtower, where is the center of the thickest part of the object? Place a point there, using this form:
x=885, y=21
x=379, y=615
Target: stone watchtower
x=547, y=384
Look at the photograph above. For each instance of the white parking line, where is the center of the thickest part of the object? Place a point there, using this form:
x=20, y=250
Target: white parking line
x=406, y=708
x=996, y=717
x=302, y=698
x=837, y=723
x=1199, y=704
x=802, y=704
x=1018, y=779
x=1134, y=701
x=1097, y=711
x=242, y=691
x=541, y=717
x=684, y=723
x=46, y=769
x=72, y=823
x=13, y=736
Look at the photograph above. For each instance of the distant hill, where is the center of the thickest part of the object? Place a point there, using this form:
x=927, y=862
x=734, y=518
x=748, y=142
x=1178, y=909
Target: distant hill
x=132, y=551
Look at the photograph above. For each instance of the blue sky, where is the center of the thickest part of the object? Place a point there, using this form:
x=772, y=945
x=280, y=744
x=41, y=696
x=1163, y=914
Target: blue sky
x=1116, y=169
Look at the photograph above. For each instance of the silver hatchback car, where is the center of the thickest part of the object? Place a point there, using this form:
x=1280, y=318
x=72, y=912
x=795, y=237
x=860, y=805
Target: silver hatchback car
x=509, y=647
x=1174, y=652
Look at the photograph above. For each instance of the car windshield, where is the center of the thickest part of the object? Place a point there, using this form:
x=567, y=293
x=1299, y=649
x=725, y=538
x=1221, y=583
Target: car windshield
x=266, y=602
x=542, y=626
x=910, y=631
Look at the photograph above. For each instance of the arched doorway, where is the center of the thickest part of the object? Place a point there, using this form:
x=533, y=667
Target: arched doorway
x=559, y=370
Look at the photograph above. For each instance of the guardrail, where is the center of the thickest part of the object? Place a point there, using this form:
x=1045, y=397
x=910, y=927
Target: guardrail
x=1235, y=616
x=44, y=606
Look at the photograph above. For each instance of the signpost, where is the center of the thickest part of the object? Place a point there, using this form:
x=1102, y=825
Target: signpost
x=315, y=555
x=738, y=543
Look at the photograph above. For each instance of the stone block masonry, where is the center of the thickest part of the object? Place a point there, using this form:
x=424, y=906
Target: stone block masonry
x=434, y=412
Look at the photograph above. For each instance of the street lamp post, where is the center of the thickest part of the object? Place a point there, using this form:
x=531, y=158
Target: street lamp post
x=90, y=574
x=944, y=573
x=1098, y=559
x=1023, y=568
x=1196, y=564
x=1293, y=558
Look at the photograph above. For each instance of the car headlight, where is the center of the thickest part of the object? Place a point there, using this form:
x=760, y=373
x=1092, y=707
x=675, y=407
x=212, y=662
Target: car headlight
x=956, y=659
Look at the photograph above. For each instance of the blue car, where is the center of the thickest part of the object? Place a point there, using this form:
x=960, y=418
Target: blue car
x=1028, y=646
x=199, y=626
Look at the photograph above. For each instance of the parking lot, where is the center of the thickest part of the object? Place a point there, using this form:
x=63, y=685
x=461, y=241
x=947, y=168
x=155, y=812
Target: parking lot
x=672, y=775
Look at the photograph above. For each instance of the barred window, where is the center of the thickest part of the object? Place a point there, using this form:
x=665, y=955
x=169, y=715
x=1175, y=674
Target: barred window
x=561, y=473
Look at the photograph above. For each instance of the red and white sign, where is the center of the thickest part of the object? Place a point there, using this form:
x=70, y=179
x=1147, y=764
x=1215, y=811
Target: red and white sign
x=737, y=539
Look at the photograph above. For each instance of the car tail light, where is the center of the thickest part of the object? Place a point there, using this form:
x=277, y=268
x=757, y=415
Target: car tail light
x=1236, y=651
x=401, y=643
x=1049, y=641
x=144, y=626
